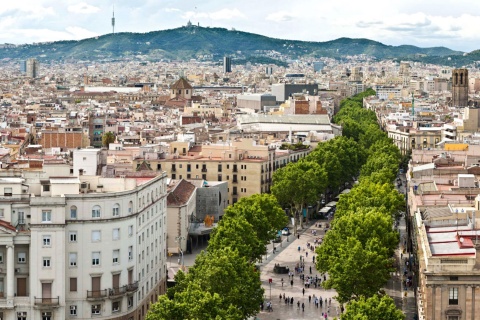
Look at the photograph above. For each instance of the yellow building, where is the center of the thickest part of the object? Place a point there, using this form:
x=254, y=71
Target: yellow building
x=246, y=166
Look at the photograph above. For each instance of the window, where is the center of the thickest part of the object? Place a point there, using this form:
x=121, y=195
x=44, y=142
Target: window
x=46, y=187
x=95, y=258
x=130, y=230
x=21, y=315
x=1, y=257
x=116, y=234
x=130, y=252
x=2, y=213
x=73, y=212
x=73, y=310
x=130, y=207
x=73, y=236
x=96, y=235
x=116, y=210
x=72, y=259
x=116, y=255
x=129, y=301
x=46, y=262
x=96, y=212
x=46, y=315
x=96, y=309
x=7, y=192
x=73, y=284
x=46, y=216
x=453, y=296
x=115, y=306
x=22, y=257
x=47, y=241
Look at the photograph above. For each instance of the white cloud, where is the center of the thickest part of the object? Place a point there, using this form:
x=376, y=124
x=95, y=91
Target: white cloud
x=280, y=16
x=82, y=7
x=223, y=14
x=171, y=10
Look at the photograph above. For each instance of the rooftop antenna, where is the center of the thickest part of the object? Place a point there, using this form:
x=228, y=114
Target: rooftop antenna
x=113, y=20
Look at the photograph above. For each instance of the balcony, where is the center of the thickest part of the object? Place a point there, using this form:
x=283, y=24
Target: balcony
x=114, y=292
x=97, y=294
x=132, y=287
x=235, y=169
x=204, y=169
x=174, y=169
x=47, y=302
x=235, y=181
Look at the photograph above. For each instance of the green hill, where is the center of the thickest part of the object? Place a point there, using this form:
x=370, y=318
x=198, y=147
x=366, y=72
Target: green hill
x=211, y=44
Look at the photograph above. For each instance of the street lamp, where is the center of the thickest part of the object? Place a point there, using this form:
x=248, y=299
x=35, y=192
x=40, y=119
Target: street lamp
x=179, y=241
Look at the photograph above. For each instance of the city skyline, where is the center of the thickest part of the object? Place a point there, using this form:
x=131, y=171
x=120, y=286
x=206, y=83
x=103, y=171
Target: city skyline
x=424, y=24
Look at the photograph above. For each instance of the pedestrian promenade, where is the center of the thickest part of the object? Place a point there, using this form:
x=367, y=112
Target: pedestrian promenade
x=287, y=254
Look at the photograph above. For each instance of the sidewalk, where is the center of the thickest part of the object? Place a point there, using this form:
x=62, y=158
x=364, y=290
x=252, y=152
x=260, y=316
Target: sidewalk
x=288, y=255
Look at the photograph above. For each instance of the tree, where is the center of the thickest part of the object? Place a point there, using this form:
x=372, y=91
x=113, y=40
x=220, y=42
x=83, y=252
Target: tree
x=373, y=308
x=299, y=184
x=354, y=270
x=262, y=212
x=368, y=194
x=107, y=138
x=237, y=233
x=221, y=285
x=364, y=224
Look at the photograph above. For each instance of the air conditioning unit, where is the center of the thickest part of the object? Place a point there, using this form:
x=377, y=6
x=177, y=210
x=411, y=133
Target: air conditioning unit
x=84, y=186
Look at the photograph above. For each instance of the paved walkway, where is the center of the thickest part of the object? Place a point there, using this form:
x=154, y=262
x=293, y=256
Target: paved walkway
x=288, y=255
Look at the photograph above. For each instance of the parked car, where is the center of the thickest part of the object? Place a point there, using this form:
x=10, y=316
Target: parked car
x=286, y=231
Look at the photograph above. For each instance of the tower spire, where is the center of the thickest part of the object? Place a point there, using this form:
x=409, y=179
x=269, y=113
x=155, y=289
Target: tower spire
x=113, y=20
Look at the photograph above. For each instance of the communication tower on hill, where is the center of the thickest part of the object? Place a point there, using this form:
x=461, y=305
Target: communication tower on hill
x=113, y=20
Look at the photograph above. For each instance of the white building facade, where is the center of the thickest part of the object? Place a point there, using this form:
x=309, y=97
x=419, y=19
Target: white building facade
x=83, y=247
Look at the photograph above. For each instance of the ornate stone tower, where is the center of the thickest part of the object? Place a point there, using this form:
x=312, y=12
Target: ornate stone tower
x=460, y=88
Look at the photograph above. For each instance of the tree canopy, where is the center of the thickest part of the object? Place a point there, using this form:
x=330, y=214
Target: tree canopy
x=373, y=308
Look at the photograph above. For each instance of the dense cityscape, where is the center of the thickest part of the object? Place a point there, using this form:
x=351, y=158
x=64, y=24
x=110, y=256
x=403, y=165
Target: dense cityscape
x=259, y=184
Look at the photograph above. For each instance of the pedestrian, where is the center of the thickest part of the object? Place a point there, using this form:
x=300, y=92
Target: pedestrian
x=284, y=295
x=309, y=299
x=298, y=304
x=298, y=236
x=303, y=290
x=329, y=301
x=282, y=284
x=303, y=307
x=306, y=254
x=324, y=278
x=321, y=302
x=291, y=282
x=310, y=269
x=291, y=300
x=280, y=296
x=313, y=259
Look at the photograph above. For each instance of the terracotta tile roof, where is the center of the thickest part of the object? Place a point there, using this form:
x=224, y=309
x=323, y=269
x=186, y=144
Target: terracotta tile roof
x=180, y=193
x=7, y=225
x=181, y=83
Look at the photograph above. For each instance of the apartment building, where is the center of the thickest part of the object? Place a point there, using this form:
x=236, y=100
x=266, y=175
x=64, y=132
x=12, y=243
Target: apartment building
x=246, y=166
x=80, y=247
x=444, y=202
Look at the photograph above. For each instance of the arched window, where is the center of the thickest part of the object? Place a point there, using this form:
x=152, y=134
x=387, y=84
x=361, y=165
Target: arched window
x=96, y=212
x=116, y=210
x=73, y=212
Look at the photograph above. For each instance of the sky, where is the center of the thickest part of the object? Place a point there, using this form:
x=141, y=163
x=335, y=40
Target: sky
x=424, y=23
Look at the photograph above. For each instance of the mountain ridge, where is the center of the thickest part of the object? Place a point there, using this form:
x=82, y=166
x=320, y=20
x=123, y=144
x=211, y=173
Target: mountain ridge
x=205, y=43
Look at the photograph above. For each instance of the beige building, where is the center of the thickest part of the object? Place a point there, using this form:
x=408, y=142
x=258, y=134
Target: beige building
x=246, y=166
x=444, y=203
